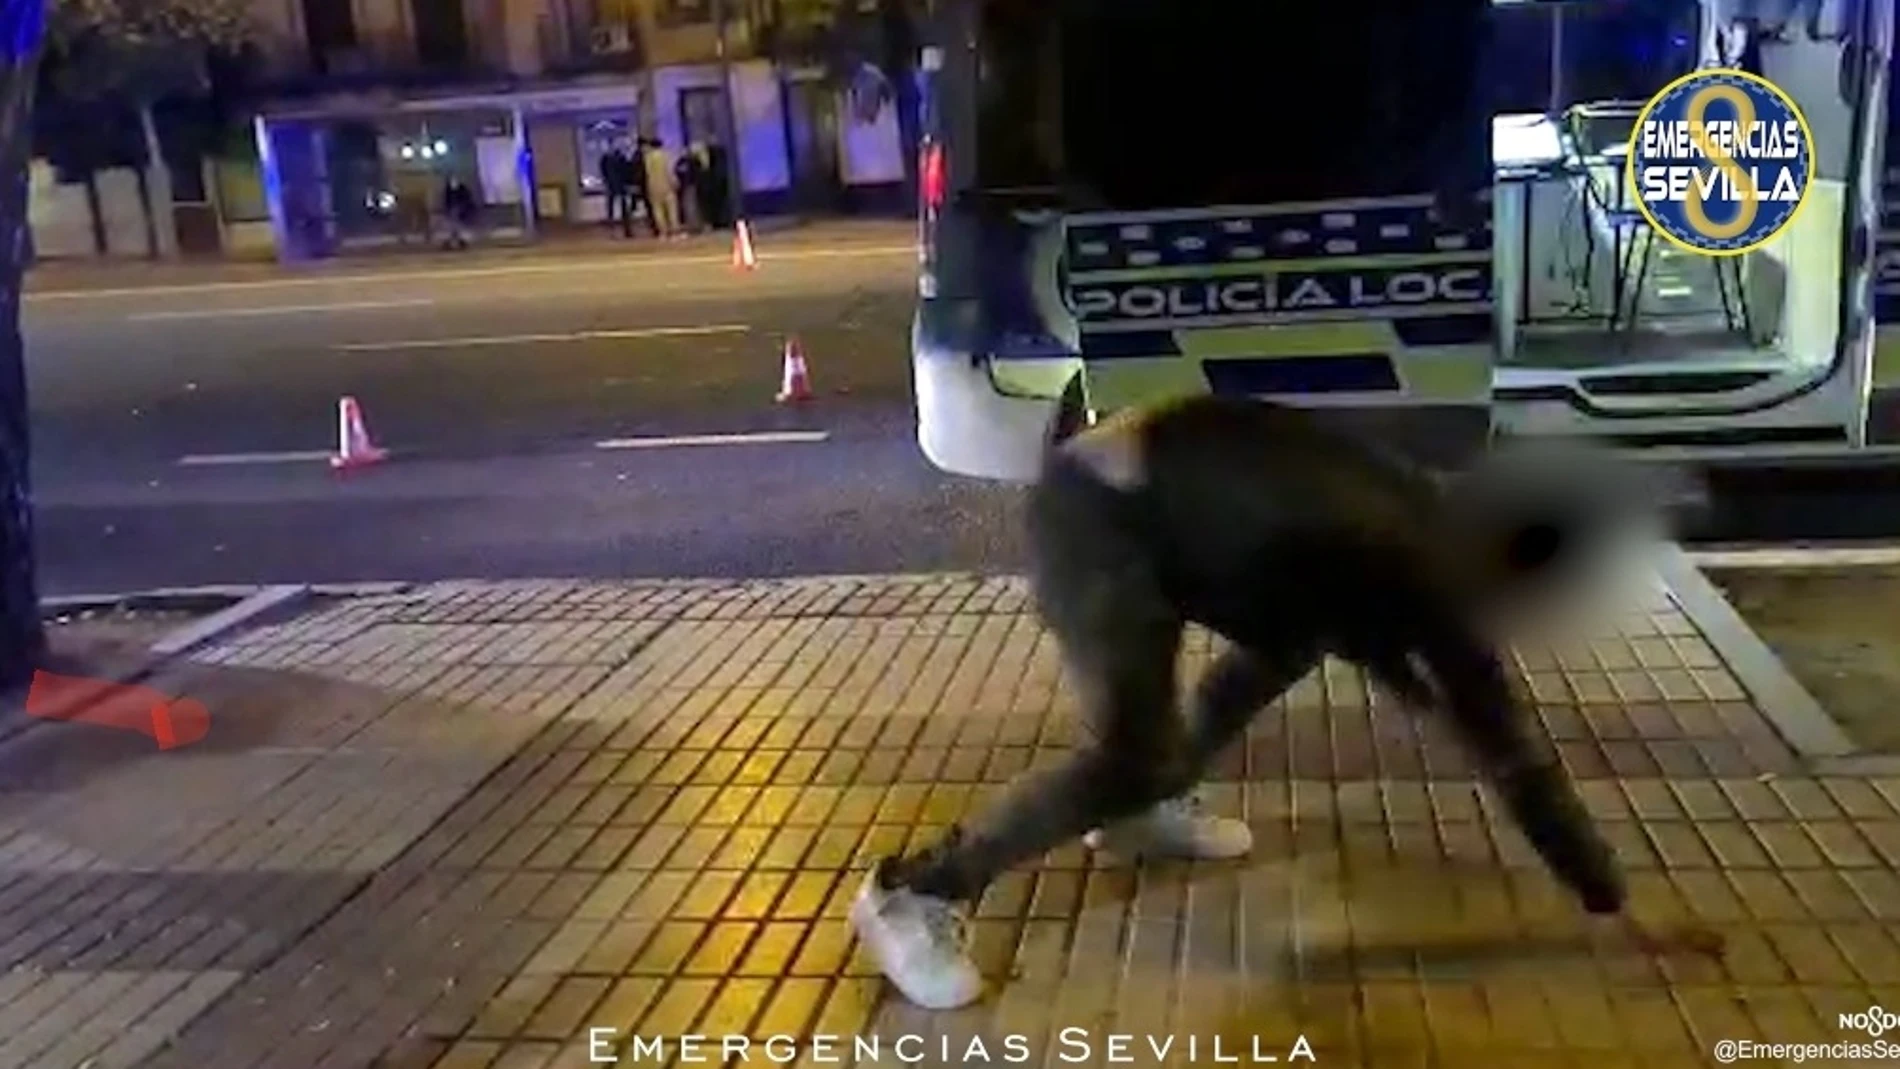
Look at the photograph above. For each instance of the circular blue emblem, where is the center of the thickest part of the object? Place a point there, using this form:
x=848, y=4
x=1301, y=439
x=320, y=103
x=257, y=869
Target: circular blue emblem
x=1720, y=161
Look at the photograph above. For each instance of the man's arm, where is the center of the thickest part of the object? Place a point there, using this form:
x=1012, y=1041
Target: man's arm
x=1528, y=777
x=1523, y=769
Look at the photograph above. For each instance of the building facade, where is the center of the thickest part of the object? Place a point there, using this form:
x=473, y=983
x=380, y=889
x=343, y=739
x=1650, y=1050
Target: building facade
x=366, y=106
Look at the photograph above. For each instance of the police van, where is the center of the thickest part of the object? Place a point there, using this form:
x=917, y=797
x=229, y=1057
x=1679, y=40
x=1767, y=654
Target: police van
x=1359, y=207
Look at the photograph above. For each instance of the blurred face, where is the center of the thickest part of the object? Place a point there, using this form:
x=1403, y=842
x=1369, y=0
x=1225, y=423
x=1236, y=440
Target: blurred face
x=1556, y=541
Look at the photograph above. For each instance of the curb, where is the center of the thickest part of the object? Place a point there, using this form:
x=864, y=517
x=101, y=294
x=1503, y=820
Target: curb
x=189, y=598
x=1798, y=557
x=1801, y=721
x=1851, y=761
x=1797, y=716
x=197, y=633
x=181, y=640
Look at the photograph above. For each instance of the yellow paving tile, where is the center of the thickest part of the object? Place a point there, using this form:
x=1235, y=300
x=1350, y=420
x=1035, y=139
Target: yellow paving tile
x=673, y=849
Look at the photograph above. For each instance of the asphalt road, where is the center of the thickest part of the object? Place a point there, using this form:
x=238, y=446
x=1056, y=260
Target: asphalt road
x=181, y=427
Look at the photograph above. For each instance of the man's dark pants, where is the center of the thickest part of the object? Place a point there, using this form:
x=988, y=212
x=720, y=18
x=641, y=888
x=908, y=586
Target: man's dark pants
x=1120, y=636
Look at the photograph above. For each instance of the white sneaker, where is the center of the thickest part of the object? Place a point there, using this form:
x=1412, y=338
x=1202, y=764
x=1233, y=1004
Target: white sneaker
x=921, y=943
x=1176, y=828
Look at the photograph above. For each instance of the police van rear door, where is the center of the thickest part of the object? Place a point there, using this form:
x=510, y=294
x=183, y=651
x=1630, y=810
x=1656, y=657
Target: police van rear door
x=1883, y=406
x=1755, y=355
x=990, y=217
x=1278, y=202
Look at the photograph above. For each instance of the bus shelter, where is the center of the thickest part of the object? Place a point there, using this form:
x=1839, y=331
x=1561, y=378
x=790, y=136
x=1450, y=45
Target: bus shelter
x=361, y=175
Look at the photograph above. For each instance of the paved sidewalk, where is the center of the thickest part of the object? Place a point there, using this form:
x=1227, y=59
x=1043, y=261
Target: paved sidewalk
x=461, y=826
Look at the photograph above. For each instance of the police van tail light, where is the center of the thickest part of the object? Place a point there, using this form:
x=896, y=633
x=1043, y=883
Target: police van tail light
x=932, y=179
x=932, y=187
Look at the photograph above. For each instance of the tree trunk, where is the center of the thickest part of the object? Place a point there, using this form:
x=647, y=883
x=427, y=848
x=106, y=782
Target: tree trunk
x=793, y=176
x=910, y=126
x=96, y=213
x=22, y=639
x=146, y=214
x=647, y=120
x=155, y=189
x=898, y=25
x=773, y=15
x=214, y=192
x=735, y=170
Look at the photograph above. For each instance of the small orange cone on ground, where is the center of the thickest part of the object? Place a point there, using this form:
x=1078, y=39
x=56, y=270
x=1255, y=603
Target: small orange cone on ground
x=354, y=448
x=795, y=385
x=743, y=257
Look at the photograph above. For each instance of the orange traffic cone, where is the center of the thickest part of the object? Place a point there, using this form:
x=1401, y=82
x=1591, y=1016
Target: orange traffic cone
x=354, y=449
x=795, y=385
x=743, y=257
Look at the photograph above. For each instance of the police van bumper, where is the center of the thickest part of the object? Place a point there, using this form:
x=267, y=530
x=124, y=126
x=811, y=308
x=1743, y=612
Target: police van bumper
x=965, y=426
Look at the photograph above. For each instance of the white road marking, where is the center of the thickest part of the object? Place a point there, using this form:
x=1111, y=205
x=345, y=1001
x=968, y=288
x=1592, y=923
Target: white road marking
x=533, y=339
x=1798, y=557
x=686, y=440
x=210, y=460
x=273, y=310
x=577, y=263
x=677, y=441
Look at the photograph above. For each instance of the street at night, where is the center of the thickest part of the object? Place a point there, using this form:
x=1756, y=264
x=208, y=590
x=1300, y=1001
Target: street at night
x=535, y=410
x=481, y=585
x=532, y=409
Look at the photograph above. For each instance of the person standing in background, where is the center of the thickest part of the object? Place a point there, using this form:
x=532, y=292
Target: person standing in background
x=412, y=213
x=714, y=189
x=458, y=210
x=614, y=183
x=662, y=191
x=636, y=156
x=615, y=179
x=690, y=170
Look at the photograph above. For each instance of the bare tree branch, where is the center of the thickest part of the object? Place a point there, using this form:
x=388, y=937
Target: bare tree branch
x=141, y=49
